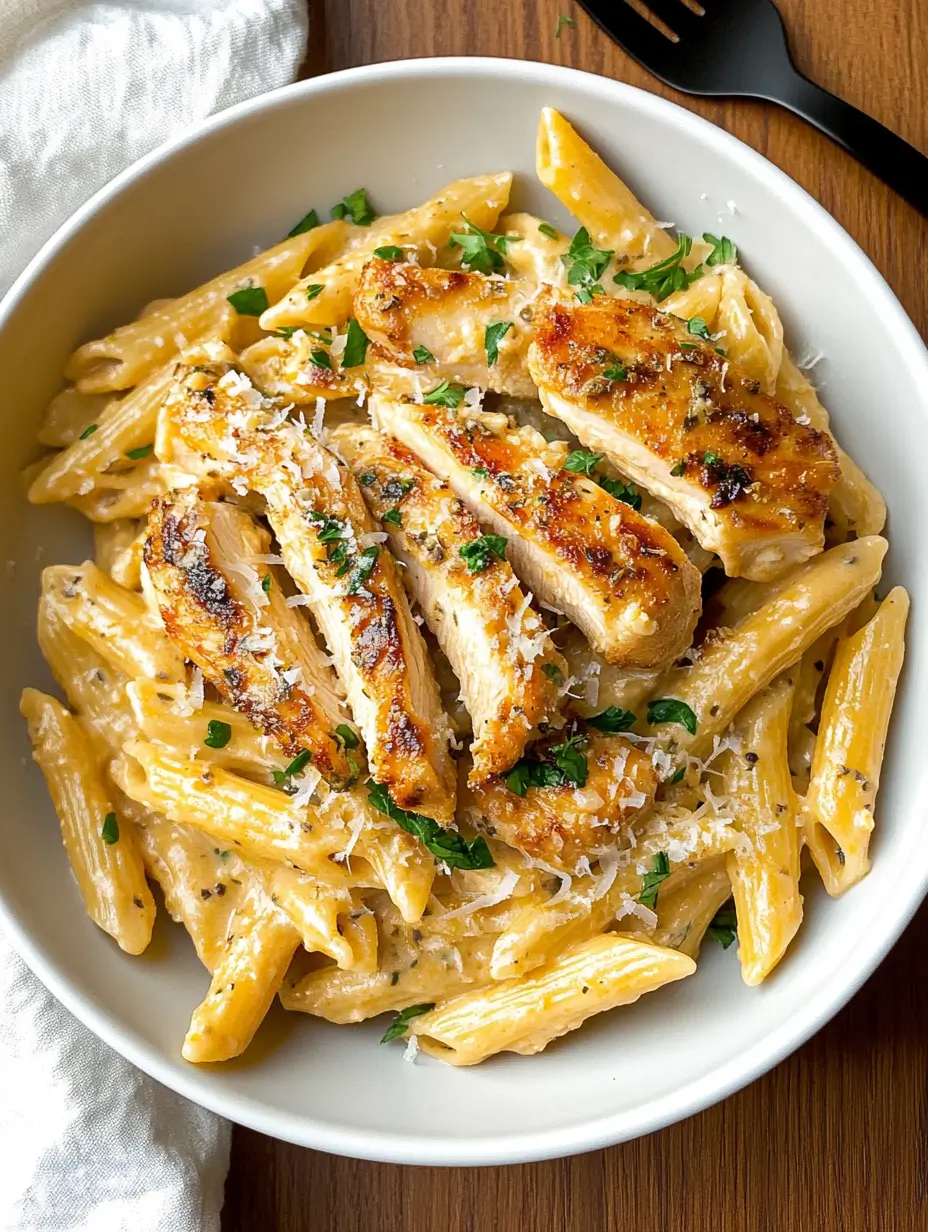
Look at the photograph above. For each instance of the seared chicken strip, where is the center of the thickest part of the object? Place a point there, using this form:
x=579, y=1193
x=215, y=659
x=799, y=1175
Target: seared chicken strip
x=562, y=823
x=749, y=481
x=216, y=610
x=471, y=600
x=623, y=580
x=440, y=317
x=215, y=424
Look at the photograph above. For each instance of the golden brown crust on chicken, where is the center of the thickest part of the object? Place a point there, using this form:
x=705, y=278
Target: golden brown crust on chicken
x=750, y=481
x=560, y=825
x=625, y=581
x=237, y=653
x=497, y=645
x=218, y=426
x=401, y=307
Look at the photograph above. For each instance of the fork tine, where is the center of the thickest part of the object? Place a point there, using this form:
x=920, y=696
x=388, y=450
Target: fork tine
x=634, y=34
x=675, y=15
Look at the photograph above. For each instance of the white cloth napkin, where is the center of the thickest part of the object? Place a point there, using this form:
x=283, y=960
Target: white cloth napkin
x=87, y=1142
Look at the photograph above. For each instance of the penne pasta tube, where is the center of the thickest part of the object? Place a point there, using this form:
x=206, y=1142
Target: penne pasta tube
x=126, y=495
x=424, y=228
x=732, y=669
x=688, y=908
x=750, y=328
x=851, y=738
x=316, y=910
x=117, y=550
x=525, y=1015
x=69, y=414
x=764, y=874
x=102, y=852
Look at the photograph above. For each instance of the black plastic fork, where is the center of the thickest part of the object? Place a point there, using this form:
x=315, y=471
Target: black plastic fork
x=738, y=47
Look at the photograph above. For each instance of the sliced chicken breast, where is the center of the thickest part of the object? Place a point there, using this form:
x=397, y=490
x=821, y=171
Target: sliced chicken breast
x=497, y=645
x=217, y=426
x=216, y=611
x=438, y=319
x=630, y=381
x=625, y=581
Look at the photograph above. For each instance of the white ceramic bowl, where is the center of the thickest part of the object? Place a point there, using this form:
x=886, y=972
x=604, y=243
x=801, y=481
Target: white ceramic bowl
x=203, y=203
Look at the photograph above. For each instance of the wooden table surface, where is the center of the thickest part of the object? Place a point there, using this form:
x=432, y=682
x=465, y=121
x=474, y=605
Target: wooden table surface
x=835, y=1139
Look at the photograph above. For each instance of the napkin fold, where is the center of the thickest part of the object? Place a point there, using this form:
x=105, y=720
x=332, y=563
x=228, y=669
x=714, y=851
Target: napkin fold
x=87, y=1142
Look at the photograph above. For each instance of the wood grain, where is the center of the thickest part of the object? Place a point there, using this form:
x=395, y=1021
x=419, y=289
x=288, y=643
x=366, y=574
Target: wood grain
x=835, y=1139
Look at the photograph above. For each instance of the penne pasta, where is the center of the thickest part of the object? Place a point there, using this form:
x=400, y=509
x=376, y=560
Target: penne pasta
x=687, y=909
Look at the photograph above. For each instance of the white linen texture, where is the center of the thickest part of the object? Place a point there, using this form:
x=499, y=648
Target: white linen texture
x=87, y=1142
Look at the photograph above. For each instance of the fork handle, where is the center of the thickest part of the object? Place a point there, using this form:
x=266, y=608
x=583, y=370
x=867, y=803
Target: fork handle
x=896, y=162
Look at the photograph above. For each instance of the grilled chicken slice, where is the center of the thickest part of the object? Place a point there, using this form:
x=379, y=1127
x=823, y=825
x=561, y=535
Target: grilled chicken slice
x=216, y=425
x=623, y=580
x=248, y=646
x=403, y=308
x=561, y=824
x=471, y=600
x=749, y=481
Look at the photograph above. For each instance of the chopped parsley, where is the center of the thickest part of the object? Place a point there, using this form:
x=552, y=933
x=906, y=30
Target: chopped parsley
x=479, y=552
x=88, y=431
x=218, y=734
x=394, y=517
x=651, y=881
x=367, y=479
x=314, y=289
x=109, y=832
x=553, y=672
x=698, y=328
x=286, y=331
x=400, y=1024
x=358, y=205
x=723, y=250
x=613, y=719
x=446, y=394
x=492, y=336
x=710, y=459
x=677, y=776
x=615, y=371
x=249, y=301
x=331, y=532
x=450, y=845
x=347, y=735
x=562, y=21
x=297, y=766
x=627, y=493
x=390, y=252
x=586, y=264
x=480, y=471
x=306, y=223
x=724, y=926
x=422, y=355
x=679, y=468
x=730, y=479
x=548, y=231
x=355, y=351
x=364, y=567
x=581, y=461
x=569, y=766
x=481, y=251
x=666, y=276
x=670, y=710
x=137, y=454
x=321, y=359
x=395, y=489
x=266, y=583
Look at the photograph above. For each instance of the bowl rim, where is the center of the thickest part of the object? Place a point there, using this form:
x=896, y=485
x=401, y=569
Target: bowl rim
x=836, y=988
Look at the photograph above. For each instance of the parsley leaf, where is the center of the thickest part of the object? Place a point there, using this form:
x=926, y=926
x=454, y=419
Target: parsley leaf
x=492, y=336
x=553, y=672
x=548, y=231
x=266, y=583
x=422, y=355
x=347, y=735
x=314, y=289
x=137, y=454
x=613, y=719
x=390, y=252
x=666, y=276
x=249, y=301
x=710, y=459
x=481, y=251
x=306, y=223
x=393, y=516
x=627, y=493
x=88, y=431
x=679, y=468
x=356, y=347
x=364, y=567
x=321, y=359
x=650, y=882
x=571, y=760
x=677, y=776
x=400, y=1024
x=297, y=766
x=447, y=845
x=563, y=21
x=670, y=710
x=581, y=461
x=446, y=394
x=569, y=766
x=286, y=331
x=480, y=471
x=698, y=328
x=615, y=371
x=110, y=829
x=358, y=205
x=586, y=264
x=724, y=926
x=218, y=734
x=723, y=250
x=479, y=552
